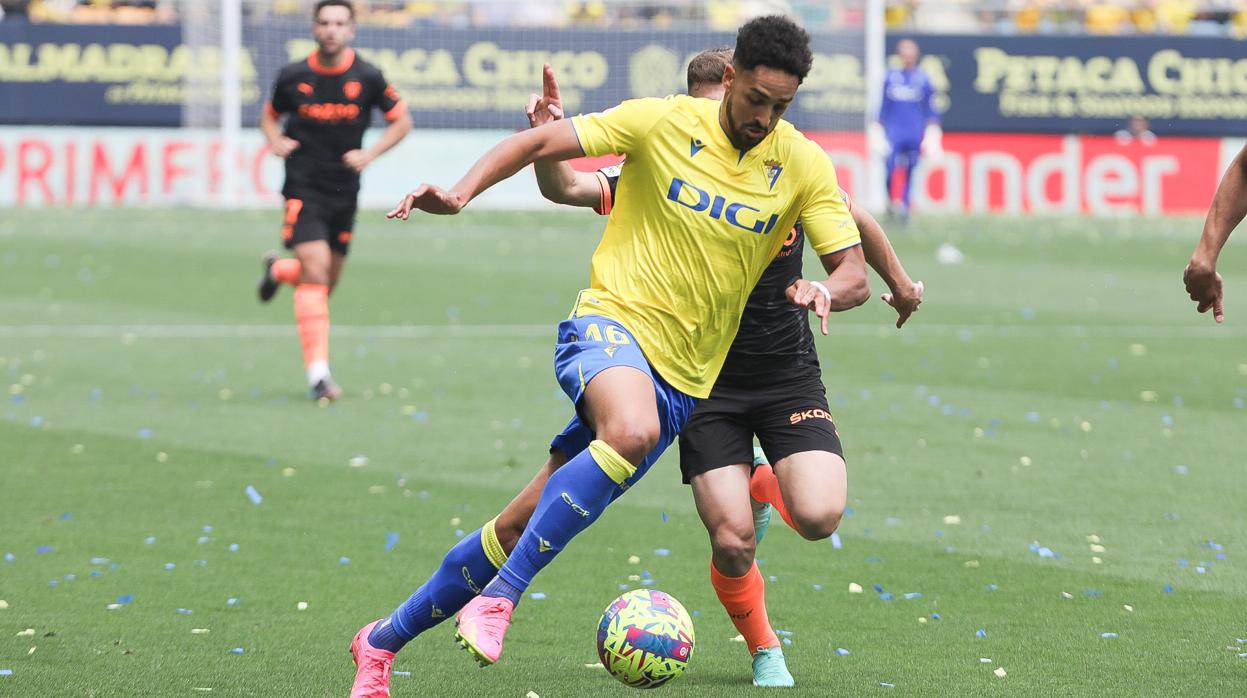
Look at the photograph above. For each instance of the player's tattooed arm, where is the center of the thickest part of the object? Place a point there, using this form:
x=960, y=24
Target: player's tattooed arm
x=556, y=179
x=905, y=294
x=845, y=287
x=1229, y=207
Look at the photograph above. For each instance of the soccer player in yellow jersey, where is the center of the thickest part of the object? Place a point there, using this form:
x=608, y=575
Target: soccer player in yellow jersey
x=770, y=387
x=709, y=194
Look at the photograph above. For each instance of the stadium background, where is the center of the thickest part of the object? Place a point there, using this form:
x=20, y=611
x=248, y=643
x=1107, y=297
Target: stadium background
x=1032, y=92
x=1046, y=476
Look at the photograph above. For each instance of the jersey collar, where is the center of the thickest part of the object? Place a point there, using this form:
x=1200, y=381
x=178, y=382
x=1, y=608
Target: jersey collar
x=722, y=140
x=348, y=59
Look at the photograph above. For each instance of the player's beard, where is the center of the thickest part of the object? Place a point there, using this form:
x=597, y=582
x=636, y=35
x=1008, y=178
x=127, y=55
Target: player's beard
x=332, y=50
x=737, y=135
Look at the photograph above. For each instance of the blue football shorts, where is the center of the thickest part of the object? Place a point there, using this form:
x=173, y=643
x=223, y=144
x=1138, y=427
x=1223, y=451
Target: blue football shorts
x=591, y=344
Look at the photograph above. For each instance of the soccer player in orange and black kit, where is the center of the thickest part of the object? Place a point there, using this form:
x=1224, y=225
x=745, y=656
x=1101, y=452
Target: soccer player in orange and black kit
x=328, y=100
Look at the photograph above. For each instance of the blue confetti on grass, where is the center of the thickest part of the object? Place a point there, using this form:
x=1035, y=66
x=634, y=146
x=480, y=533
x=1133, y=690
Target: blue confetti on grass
x=237, y=650
x=344, y=560
x=183, y=611
x=233, y=547
x=44, y=549
x=150, y=540
x=232, y=601
x=170, y=565
x=787, y=641
x=910, y=596
x=935, y=616
x=100, y=561
x=1108, y=636
x=9, y=557
x=1168, y=589
x=400, y=673
x=145, y=433
x=664, y=517
x=254, y=495
x=980, y=633
x=537, y=595
x=125, y=599
x=391, y=540
x=836, y=543
x=842, y=652
x=887, y=596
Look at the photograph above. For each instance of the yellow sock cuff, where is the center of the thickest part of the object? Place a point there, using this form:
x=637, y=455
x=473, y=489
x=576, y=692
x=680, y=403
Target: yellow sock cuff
x=615, y=466
x=489, y=541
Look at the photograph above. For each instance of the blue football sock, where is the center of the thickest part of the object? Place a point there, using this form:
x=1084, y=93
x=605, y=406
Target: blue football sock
x=574, y=498
x=464, y=572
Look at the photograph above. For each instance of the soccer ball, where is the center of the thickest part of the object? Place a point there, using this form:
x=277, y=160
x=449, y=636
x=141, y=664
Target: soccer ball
x=645, y=638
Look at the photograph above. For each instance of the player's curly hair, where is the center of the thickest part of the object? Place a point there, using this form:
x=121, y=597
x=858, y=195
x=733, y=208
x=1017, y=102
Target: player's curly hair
x=774, y=41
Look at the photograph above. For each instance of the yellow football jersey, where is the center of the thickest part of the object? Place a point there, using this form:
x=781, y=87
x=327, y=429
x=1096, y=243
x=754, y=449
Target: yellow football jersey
x=697, y=223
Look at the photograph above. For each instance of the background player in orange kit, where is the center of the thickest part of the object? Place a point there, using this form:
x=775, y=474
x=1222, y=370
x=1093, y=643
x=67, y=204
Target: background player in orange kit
x=328, y=100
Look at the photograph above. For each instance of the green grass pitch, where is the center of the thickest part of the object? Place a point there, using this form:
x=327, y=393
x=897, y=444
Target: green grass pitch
x=1056, y=386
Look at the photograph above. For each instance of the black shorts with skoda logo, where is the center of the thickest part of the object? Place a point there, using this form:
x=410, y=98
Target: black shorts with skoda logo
x=780, y=400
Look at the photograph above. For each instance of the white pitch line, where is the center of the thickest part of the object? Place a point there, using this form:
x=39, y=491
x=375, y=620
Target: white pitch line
x=916, y=328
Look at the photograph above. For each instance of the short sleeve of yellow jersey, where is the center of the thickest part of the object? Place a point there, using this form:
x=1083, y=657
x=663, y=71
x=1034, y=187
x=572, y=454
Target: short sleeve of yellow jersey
x=620, y=129
x=825, y=214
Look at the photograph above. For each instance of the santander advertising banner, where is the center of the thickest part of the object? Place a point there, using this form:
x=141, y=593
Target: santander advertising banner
x=978, y=173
